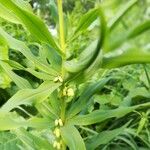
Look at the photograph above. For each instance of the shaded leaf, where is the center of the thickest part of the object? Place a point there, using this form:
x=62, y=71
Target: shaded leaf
x=30, y=96
x=72, y=138
x=103, y=138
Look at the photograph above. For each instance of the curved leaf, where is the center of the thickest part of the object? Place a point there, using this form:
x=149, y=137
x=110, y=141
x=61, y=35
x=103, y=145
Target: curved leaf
x=33, y=141
x=34, y=24
x=8, y=15
x=72, y=138
x=11, y=121
x=8, y=141
x=19, y=81
x=91, y=52
x=103, y=138
x=30, y=96
x=85, y=96
x=21, y=47
x=114, y=21
x=98, y=116
x=129, y=35
x=130, y=56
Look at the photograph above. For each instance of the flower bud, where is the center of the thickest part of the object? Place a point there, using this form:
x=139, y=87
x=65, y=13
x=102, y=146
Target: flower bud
x=58, y=79
x=56, y=122
x=70, y=92
x=58, y=145
x=57, y=132
x=65, y=91
x=55, y=144
x=60, y=122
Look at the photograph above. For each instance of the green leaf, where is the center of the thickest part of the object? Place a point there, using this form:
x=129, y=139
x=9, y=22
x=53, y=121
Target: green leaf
x=98, y=116
x=72, y=138
x=103, y=138
x=127, y=57
x=129, y=35
x=8, y=15
x=55, y=102
x=4, y=52
x=33, y=141
x=9, y=141
x=131, y=144
x=11, y=121
x=90, y=53
x=19, y=81
x=30, y=96
x=54, y=11
x=34, y=24
x=5, y=81
x=142, y=123
x=114, y=21
x=139, y=29
x=87, y=19
x=48, y=53
x=46, y=110
x=85, y=96
x=21, y=47
x=40, y=75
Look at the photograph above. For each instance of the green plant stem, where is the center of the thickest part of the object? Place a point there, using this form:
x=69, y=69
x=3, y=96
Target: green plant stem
x=63, y=49
x=61, y=26
x=63, y=109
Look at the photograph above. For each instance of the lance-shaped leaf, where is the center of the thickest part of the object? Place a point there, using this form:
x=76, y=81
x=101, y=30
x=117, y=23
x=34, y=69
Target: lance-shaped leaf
x=98, y=116
x=103, y=138
x=40, y=75
x=87, y=19
x=34, y=24
x=130, y=56
x=11, y=121
x=7, y=140
x=21, y=47
x=8, y=15
x=30, y=96
x=19, y=81
x=72, y=138
x=54, y=11
x=85, y=96
x=129, y=35
x=33, y=140
x=90, y=53
x=125, y=8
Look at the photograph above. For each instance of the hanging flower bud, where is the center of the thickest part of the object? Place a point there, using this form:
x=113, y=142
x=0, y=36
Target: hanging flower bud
x=55, y=144
x=58, y=79
x=57, y=132
x=65, y=91
x=70, y=92
x=58, y=145
x=56, y=122
x=60, y=122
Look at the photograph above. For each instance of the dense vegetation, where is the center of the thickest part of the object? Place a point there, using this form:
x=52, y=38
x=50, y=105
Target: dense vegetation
x=74, y=74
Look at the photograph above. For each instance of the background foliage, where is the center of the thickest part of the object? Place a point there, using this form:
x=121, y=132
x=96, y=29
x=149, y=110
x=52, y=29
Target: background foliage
x=108, y=106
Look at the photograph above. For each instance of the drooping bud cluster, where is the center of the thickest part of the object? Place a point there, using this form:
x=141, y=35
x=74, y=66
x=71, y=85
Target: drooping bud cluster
x=68, y=92
x=58, y=122
x=57, y=143
x=58, y=79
